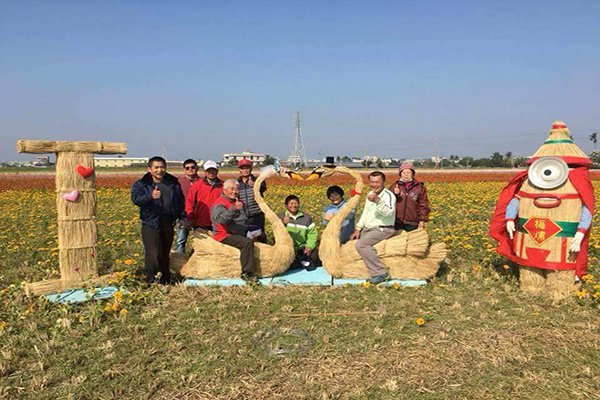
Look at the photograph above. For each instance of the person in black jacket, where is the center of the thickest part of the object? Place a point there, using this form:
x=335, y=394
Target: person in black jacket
x=161, y=202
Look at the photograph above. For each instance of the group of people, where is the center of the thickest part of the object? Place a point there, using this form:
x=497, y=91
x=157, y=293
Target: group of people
x=229, y=210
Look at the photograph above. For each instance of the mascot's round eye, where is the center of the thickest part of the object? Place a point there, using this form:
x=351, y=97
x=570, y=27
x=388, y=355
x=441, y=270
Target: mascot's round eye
x=548, y=172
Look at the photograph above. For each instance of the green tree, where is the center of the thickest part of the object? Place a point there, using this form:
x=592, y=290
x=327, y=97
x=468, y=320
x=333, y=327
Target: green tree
x=497, y=160
x=269, y=160
x=594, y=139
x=466, y=161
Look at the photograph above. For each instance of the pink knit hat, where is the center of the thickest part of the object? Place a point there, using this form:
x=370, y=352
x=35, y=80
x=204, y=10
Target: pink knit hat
x=407, y=165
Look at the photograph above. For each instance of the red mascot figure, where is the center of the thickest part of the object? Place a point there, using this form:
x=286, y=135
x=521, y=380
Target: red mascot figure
x=543, y=217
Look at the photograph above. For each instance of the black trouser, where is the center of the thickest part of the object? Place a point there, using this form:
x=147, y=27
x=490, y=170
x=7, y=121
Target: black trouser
x=405, y=227
x=246, y=247
x=258, y=221
x=157, y=246
x=300, y=256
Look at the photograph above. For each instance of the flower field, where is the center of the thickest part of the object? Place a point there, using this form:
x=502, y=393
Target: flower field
x=460, y=215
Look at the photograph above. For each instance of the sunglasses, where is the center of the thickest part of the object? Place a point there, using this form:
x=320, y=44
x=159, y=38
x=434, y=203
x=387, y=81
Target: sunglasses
x=191, y=167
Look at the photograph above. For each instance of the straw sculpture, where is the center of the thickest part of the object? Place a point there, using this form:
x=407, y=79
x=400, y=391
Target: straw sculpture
x=548, y=218
x=77, y=230
x=212, y=259
x=407, y=255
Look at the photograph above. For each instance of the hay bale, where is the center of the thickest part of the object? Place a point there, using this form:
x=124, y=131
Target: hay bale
x=56, y=146
x=560, y=284
x=532, y=280
x=77, y=230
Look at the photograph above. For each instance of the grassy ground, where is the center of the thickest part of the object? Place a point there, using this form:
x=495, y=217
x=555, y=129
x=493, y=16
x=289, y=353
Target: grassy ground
x=470, y=333
x=480, y=339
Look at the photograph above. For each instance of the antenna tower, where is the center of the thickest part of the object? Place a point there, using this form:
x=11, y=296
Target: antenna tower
x=298, y=155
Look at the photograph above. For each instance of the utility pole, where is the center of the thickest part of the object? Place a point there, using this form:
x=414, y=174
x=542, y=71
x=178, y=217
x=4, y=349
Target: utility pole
x=298, y=156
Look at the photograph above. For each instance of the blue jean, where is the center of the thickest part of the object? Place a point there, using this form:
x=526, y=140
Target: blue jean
x=182, y=235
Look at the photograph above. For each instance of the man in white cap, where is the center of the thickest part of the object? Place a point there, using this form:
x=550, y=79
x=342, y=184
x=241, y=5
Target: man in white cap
x=202, y=196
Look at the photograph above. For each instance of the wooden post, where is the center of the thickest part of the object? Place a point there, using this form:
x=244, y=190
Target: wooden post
x=77, y=228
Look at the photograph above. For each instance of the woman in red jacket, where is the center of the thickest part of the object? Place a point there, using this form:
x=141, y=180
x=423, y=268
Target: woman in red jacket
x=412, y=204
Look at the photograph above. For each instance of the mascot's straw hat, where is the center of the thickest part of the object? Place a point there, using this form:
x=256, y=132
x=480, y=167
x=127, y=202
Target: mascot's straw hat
x=560, y=144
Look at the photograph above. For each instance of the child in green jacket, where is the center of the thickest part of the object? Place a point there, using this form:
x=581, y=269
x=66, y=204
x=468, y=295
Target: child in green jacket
x=303, y=231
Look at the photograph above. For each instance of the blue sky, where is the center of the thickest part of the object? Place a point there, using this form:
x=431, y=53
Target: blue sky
x=382, y=77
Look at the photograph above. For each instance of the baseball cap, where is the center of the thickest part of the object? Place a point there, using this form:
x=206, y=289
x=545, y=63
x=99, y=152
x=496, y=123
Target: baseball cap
x=210, y=164
x=244, y=162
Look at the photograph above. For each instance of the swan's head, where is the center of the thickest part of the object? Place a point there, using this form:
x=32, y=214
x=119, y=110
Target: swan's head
x=273, y=170
x=321, y=171
x=268, y=171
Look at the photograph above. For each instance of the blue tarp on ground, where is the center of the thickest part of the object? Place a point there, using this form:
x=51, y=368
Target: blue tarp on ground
x=318, y=277
x=81, y=295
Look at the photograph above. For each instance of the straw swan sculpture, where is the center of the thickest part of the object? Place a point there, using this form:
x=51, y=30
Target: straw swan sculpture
x=407, y=255
x=212, y=259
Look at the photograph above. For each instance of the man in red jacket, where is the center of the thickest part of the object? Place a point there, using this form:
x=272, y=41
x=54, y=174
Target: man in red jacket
x=203, y=193
x=230, y=225
x=412, y=204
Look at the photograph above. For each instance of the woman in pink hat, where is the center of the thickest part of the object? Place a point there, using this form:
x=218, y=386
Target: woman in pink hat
x=412, y=204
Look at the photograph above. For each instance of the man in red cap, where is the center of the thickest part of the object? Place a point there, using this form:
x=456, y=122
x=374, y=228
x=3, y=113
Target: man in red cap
x=256, y=218
x=412, y=204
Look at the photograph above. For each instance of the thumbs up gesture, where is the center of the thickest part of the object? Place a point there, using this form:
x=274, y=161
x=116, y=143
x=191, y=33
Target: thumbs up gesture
x=156, y=193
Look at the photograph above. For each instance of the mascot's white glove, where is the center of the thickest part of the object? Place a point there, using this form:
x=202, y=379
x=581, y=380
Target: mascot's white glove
x=576, y=242
x=510, y=228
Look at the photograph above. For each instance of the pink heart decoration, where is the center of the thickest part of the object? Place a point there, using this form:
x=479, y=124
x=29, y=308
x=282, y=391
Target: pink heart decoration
x=71, y=196
x=85, y=171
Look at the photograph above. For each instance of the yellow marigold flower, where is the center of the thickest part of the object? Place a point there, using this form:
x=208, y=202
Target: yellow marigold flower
x=123, y=312
x=506, y=267
x=367, y=284
x=118, y=296
x=587, y=278
x=420, y=321
x=476, y=268
x=396, y=285
x=129, y=261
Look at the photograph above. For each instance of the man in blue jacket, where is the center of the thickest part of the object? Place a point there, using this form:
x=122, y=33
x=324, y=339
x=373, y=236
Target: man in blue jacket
x=161, y=202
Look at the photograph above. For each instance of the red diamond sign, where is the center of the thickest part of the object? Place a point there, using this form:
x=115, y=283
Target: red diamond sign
x=541, y=229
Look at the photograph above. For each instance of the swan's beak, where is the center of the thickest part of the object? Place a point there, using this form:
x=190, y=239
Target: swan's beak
x=314, y=175
x=294, y=175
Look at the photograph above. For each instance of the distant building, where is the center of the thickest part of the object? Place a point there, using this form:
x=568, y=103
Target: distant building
x=120, y=162
x=256, y=158
x=41, y=161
